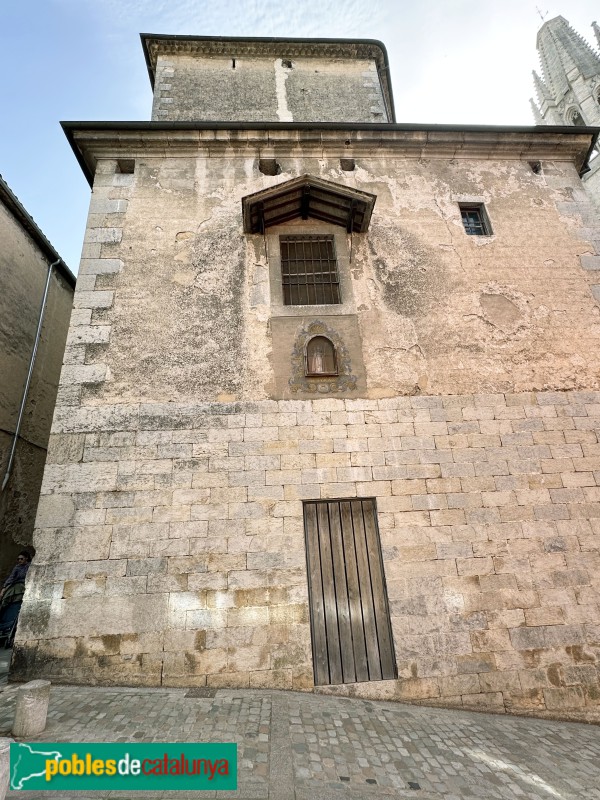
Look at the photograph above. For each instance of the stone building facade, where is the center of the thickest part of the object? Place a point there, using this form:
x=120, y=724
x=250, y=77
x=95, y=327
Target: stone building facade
x=373, y=469
x=25, y=256
x=568, y=92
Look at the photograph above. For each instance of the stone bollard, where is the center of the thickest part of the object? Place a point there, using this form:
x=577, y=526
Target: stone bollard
x=32, y=709
x=4, y=766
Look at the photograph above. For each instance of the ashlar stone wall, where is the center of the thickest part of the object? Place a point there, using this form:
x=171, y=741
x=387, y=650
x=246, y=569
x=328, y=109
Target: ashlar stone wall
x=171, y=546
x=271, y=89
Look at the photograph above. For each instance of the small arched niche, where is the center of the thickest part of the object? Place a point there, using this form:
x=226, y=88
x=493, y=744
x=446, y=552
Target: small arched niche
x=574, y=117
x=320, y=357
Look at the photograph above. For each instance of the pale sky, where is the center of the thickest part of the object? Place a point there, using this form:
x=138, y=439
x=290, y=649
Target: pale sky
x=452, y=61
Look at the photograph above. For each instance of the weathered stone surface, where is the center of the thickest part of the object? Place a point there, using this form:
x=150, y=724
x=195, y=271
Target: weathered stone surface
x=272, y=81
x=77, y=478
x=55, y=511
x=4, y=766
x=473, y=420
x=24, y=261
x=106, y=615
x=65, y=448
x=31, y=709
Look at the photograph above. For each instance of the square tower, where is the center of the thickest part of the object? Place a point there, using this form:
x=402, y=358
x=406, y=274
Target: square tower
x=268, y=80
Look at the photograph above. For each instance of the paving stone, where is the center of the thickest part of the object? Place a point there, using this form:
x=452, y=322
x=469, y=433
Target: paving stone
x=294, y=746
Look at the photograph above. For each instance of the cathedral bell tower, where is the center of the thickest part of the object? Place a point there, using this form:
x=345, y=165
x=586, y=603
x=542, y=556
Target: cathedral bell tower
x=568, y=91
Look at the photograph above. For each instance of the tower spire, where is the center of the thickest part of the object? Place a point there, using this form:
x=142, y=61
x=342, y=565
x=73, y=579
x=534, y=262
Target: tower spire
x=567, y=87
x=537, y=114
x=561, y=50
x=541, y=90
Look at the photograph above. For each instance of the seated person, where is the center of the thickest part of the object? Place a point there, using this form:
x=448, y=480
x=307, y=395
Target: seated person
x=19, y=571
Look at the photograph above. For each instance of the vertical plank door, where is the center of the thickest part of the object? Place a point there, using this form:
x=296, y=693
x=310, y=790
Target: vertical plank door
x=350, y=621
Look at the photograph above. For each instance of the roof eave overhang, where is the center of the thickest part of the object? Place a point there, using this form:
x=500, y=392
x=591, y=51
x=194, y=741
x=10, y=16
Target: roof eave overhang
x=308, y=197
x=92, y=141
x=586, y=163
x=12, y=203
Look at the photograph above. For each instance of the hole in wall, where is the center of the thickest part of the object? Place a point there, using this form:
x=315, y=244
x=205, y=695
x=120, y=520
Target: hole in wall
x=269, y=166
x=233, y=63
x=536, y=167
x=348, y=164
x=126, y=165
x=285, y=62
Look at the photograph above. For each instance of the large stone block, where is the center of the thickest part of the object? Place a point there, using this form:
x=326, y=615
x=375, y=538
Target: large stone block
x=564, y=699
x=31, y=709
x=96, y=616
x=72, y=544
x=55, y=511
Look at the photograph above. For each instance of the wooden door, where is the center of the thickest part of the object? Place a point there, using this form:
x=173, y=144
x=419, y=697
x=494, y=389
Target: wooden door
x=350, y=621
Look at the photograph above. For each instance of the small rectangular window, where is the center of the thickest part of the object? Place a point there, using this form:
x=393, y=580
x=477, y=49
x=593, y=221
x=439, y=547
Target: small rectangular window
x=309, y=271
x=475, y=220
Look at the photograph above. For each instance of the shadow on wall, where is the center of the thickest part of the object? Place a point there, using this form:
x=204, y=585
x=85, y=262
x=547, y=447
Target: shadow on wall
x=18, y=502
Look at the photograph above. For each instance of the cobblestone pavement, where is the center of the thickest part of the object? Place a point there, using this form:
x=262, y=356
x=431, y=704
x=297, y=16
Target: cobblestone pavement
x=307, y=747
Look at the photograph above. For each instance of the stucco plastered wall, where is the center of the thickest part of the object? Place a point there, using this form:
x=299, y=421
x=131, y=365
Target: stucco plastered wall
x=23, y=271
x=438, y=311
x=591, y=181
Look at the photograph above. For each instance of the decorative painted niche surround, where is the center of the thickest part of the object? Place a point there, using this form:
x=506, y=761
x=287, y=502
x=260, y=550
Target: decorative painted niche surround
x=323, y=384
x=289, y=337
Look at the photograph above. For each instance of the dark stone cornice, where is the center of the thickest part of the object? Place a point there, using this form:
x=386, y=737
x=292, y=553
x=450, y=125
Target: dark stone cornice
x=95, y=140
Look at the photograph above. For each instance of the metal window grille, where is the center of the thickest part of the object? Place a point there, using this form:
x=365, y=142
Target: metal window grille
x=309, y=271
x=474, y=221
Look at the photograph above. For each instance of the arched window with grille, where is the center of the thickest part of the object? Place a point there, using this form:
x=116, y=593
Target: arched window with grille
x=320, y=357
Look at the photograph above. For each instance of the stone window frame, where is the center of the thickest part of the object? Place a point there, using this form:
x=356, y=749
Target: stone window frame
x=342, y=250
x=310, y=268
x=475, y=204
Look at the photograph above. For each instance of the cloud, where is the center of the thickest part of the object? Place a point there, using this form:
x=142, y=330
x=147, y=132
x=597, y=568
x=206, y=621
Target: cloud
x=311, y=18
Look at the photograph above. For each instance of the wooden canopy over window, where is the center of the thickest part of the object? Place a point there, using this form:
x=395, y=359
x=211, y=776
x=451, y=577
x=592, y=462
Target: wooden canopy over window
x=306, y=197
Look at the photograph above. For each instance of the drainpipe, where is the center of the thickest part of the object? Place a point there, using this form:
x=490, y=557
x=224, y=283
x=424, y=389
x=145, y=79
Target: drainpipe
x=36, y=342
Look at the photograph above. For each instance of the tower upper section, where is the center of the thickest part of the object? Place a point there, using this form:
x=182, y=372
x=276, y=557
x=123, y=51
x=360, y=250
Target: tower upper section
x=268, y=80
x=569, y=90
